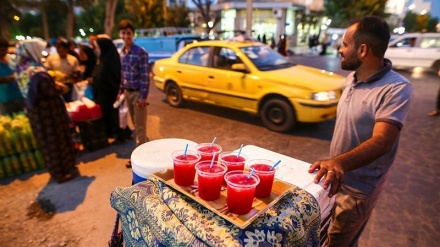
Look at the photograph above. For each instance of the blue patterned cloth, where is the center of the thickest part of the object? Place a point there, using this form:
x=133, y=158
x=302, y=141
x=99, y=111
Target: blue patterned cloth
x=154, y=214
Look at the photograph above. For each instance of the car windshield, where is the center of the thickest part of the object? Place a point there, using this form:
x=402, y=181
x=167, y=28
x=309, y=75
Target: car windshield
x=264, y=58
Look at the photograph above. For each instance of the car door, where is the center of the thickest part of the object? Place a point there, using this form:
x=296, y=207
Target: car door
x=191, y=72
x=228, y=87
x=428, y=50
x=401, y=52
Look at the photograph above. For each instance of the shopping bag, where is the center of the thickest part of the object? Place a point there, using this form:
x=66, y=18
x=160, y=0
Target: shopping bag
x=79, y=90
x=123, y=112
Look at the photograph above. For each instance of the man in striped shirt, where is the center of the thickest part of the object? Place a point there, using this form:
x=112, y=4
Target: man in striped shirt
x=135, y=82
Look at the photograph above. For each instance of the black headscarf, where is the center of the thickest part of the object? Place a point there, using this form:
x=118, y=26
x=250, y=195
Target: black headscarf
x=89, y=63
x=107, y=74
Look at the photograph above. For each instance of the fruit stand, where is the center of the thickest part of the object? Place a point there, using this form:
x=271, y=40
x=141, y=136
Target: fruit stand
x=19, y=151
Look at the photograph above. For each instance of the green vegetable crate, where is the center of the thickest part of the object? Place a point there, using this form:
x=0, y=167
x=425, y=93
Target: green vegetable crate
x=19, y=152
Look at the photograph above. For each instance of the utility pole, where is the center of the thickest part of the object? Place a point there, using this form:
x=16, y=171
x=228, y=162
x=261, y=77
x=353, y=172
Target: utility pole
x=249, y=18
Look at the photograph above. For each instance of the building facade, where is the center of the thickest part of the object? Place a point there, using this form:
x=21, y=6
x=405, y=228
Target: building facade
x=296, y=19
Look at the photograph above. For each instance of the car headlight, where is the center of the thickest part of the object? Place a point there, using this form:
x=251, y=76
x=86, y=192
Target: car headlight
x=324, y=96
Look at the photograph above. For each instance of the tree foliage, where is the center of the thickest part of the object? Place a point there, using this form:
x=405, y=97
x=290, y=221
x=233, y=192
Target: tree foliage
x=204, y=7
x=31, y=23
x=177, y=16
x=8, y=9
x=93, y=18
x=146, y=13
x=342, y=12
x=419, y=23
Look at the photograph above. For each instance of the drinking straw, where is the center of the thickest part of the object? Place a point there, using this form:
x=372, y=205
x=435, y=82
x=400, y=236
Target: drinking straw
x=186, y=149
x=212, y=161
x=274, y=165
x=251, y=173
x=212, y=143
x=239, y=151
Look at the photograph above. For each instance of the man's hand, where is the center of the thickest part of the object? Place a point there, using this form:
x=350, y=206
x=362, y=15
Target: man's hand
x=141, y=103
x=331, y=171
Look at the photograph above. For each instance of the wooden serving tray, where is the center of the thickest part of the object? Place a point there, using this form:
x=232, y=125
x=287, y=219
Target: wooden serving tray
x=279, y=189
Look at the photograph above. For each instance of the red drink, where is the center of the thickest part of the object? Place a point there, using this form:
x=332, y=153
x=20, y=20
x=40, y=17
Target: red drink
x=232, y=162
x=262, y=169
x=184, y=171
x=210, y=180
x=241, y=190
x=206, y=150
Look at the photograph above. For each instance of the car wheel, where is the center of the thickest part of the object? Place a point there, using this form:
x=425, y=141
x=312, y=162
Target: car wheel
x=278, y=115
x=174, y=95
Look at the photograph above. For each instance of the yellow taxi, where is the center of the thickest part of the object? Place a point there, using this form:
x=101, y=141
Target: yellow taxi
x=249, y=76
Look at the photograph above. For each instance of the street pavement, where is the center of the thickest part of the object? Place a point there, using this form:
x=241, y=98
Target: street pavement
x=407, y=213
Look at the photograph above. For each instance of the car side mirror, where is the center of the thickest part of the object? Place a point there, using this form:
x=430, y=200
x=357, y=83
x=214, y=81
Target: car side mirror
x=239, y=67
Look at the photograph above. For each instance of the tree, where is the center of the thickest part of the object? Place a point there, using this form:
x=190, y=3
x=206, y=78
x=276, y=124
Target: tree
x=92, y=17
x=432, y=24
x=343, y=11
x=44, y=19
x=419, y=23
x=422, y=22
x=146, y=13
x=9, y=9
x=177, y=16
x=71, y=15
x=110, y=10
x=204, y=7
x=409, y=21
x=35, y=17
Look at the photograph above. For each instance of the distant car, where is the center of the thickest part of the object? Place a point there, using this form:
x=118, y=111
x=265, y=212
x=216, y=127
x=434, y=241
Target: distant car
x=415, y=50
x=164, y=46
x=160, y=47
x=251, y=77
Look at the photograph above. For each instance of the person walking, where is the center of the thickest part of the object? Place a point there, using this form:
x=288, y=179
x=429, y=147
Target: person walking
x=370, y=116
x=47, y=113
x=135, y=81
x=105, y=82
x=11, y=100
x=282, y=45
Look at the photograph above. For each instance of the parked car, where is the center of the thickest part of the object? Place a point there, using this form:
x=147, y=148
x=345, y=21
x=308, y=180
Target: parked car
x=415, y=50
x=251, y=77
x=160, y=47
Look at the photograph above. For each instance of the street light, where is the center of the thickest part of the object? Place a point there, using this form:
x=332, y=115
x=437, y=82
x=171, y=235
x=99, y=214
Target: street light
x=16, y=18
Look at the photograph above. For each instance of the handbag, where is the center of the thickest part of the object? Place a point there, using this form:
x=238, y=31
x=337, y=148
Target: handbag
x=117, y=239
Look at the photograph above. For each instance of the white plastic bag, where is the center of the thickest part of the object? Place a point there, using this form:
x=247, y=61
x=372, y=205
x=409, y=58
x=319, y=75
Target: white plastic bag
x=78, y=90
x=123, y=112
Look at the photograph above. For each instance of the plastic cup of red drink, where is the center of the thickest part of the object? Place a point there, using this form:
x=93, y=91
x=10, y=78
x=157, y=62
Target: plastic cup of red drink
x=206, y=150
x=262, y=170
x=184, y=166
x=232, y=161
x=210, y=179
x=240, y=191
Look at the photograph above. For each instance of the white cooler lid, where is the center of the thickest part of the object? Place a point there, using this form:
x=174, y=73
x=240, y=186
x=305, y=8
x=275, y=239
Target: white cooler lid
x=155, y=155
